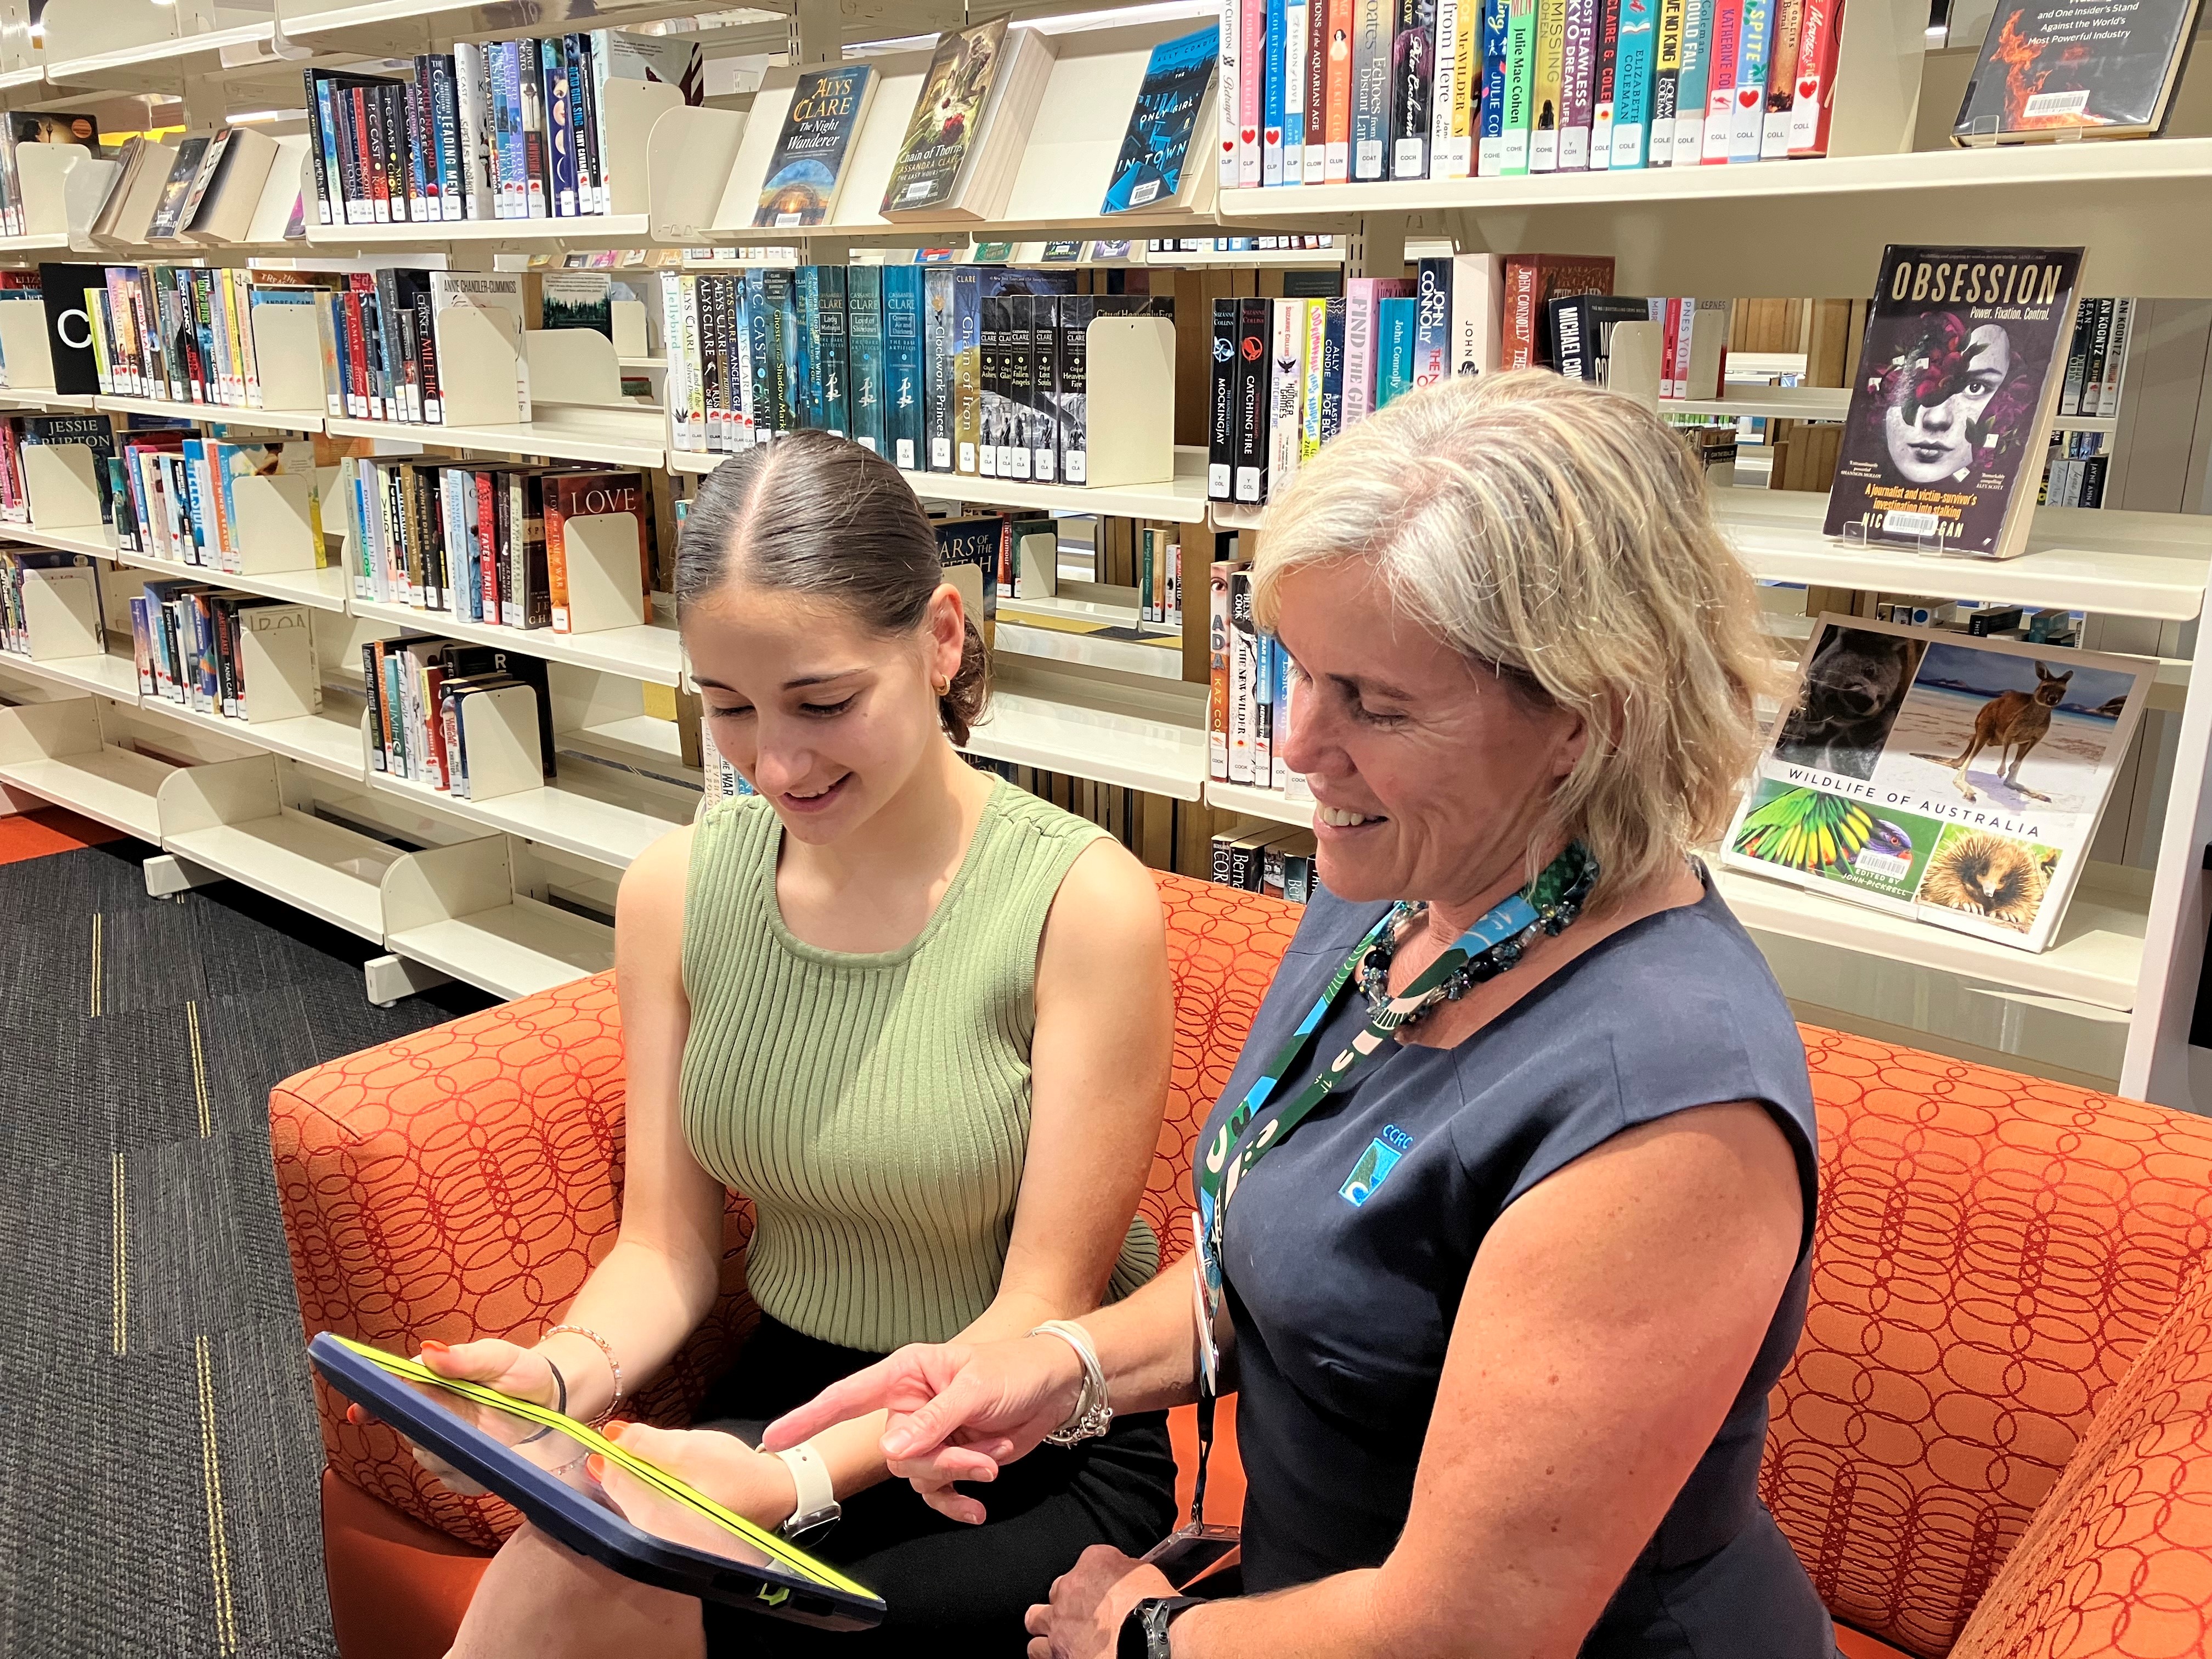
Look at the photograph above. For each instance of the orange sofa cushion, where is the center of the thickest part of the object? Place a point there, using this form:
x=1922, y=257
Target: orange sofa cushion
x=2118, y=1560
x=1993, y=1251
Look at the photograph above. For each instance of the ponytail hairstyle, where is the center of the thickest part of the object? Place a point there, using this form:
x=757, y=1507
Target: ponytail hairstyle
x=816, y=514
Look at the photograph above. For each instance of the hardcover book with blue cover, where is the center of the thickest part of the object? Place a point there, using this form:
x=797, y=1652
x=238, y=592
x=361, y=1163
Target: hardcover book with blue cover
x=903, y=392
x=864, y=345
x=1157, y=146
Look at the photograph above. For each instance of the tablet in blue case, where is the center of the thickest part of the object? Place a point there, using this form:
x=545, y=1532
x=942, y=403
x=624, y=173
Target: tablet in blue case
x=665, y=1534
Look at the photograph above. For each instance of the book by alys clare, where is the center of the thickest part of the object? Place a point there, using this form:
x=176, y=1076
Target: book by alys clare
x=808, y=163
x=1958, y=377
x=946, y=115
x=1156, y=148
x=1952, y=779
x=2054, y=69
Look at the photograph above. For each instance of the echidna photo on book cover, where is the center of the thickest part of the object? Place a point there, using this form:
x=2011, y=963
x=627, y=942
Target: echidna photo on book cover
x=1954, y=779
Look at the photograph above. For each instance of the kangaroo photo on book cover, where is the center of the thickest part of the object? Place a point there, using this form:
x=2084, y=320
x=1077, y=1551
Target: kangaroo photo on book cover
x=1951, y=778
x=1958, y=373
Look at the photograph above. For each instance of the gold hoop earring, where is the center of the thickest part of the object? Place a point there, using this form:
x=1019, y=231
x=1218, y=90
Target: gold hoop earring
x=943, y=684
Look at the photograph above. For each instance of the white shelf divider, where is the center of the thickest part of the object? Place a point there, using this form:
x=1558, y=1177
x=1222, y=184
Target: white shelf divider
x=230, y=818
x=55, y=751
x=455, y=908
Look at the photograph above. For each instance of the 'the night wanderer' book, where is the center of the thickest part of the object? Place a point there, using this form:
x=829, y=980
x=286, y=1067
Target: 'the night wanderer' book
x=1154, y=151
x=1958, y=377
x=2052, y=68
x=827, y=108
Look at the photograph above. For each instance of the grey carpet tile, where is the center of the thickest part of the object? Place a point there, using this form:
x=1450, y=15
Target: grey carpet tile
x=159, y=1472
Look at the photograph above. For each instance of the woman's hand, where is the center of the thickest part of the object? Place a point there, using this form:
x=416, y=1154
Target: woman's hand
x=756, y=1485
x=958, y=1411
x=1083, y=1620
x=523, y=1373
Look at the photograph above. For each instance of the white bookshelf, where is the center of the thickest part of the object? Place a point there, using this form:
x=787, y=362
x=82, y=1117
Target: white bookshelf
x=2125, y=962
x=1135, y=736
x=1255, y=803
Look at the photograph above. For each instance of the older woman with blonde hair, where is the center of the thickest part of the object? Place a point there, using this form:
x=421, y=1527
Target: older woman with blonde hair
x=1506, y=1210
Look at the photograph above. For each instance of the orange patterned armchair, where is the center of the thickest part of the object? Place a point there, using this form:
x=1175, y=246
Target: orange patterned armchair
x=1996, y=1440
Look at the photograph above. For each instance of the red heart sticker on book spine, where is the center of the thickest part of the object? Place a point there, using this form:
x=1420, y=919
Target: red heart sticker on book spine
x=1809, y=87
x=1274, y=134
x=1748, y=97
x=1248, y=135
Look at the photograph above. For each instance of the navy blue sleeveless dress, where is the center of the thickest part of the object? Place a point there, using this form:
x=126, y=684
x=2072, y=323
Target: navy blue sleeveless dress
x=1348, y=1246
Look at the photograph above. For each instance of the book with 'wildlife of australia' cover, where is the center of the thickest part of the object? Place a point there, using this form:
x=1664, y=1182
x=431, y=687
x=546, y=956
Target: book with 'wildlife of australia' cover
x=827, y=108
x=1959, y=376
x=1953, y=779
x=1156, y=148
x=2055, y=69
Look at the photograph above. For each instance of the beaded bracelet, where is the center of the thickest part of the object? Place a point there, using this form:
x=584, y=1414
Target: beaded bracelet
x=613, y=1364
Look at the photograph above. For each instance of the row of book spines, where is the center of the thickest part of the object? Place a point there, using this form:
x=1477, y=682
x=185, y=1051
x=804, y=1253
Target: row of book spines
x=186, y=646
x=1289, y=375
x=508, y=129
x=2075, y=481
x=1159, y=576
x=17, y=568
x=184, y=333
x=379, y=340
x=415, y=705
x=178, y=500
x=1336, y=91
x=1272, y=858
x=484, y=545
x=914, y=377
x=1248, y=685
x=2096, y=357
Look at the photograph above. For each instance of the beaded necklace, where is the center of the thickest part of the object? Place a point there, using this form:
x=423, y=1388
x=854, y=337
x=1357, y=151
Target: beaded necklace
x=1557, y=896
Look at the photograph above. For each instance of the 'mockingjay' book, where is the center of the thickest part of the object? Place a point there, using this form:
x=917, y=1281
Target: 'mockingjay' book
x=1954, y=779
x=1156, y=150
x=827, y=108
x=1959, y=375
x=2053, y=69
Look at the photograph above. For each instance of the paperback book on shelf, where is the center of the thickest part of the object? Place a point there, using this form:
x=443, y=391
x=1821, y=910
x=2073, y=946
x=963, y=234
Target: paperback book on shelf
x=1959, y=376
x=1934, y=774
x=942, y=134
x=808, y=164
x=1153, y=168
x=2052, y=69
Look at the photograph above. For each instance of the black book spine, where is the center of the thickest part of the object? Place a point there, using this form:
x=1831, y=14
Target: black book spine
x=425, y=343
x=1016, y=365
x=2100, y=343
x=583, y=121
x=1044, y=422
x=444, y=93
x=1221, y=417
x=395, y=149
x=996, y=446
x=2092, y=480
x=1252, y=330
x=1569, y=323
x=1072, y=373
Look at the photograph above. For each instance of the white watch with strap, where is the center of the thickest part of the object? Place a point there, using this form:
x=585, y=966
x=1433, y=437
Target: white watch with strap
x=816, y=1509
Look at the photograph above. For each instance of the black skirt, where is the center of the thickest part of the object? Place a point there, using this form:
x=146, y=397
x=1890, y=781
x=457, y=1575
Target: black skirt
x=950, y=1589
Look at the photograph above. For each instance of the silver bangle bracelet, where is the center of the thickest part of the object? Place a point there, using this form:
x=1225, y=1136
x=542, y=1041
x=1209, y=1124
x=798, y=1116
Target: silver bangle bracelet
x=1094, y=1413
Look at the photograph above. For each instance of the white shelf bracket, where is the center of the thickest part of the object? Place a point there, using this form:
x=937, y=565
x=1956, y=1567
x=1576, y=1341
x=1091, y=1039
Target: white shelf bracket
x=167, y=874
x=390, y=978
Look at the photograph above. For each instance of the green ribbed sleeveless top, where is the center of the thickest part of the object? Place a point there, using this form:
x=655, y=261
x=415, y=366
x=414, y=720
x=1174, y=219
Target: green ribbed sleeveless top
x=875, y=1107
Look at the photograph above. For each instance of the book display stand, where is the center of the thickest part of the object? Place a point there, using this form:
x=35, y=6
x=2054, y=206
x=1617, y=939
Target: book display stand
x=2111, y=1000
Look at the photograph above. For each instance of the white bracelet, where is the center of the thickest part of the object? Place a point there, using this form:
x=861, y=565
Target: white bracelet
x=1093, y=1414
